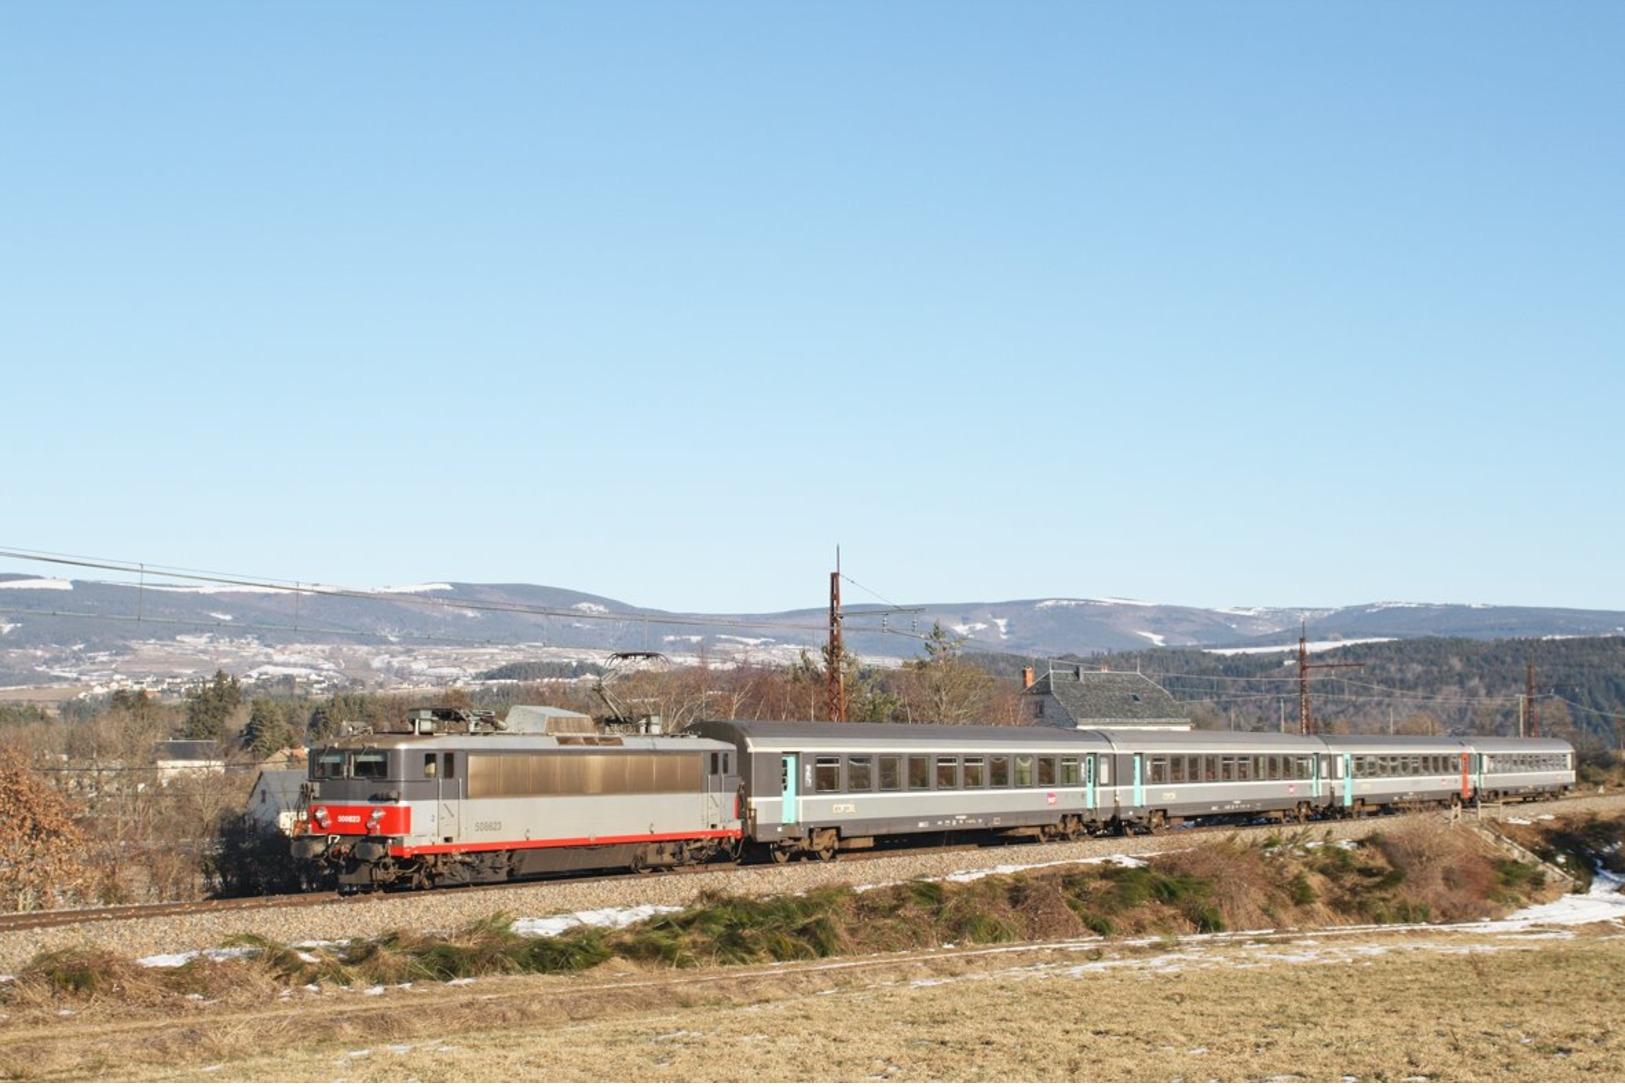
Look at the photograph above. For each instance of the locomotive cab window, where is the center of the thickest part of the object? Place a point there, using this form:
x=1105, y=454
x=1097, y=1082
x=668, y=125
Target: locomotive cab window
x=429, y=764
x=370, y=764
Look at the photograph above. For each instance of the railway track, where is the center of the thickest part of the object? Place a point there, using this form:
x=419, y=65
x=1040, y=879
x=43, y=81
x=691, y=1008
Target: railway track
x=48, y=919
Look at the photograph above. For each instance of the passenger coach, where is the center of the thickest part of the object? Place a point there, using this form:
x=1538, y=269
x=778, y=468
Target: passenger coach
x=810, y=788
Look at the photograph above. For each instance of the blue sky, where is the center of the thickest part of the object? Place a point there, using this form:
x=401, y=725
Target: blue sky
x=1209, y=304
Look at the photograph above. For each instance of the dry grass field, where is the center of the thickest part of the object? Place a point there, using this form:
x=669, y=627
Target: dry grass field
x=1235, y=963
x=1417, y=1004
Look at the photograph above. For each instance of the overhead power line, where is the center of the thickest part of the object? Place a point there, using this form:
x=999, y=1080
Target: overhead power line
x=301, y=588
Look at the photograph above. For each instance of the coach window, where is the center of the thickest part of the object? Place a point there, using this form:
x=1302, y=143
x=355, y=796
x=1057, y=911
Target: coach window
x=1159, y=770
x=1176, y=769
x=998, y=771
x=975, y=773
x=859, y=777
x=827, y=774
x=891, y=772
x=1024, y=771
x=947, y=772
x=919, y=771
x=1046, y=770
x=1227, y=768
x=1210, y=770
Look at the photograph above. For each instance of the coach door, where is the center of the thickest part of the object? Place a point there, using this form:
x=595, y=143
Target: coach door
x=1089, y=783
x=716, y=786
x=1466, y=775
x=789, y=808
x=449, y=793
x=1139, y=781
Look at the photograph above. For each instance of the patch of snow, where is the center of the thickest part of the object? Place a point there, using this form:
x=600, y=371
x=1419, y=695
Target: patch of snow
x=220, y=615
x=57, y=583
x=970, y=875
x=1313, y=647
x=1603, y=902
x=1104, y=601
x=603, y=918
x=1155, y=639
x=590, y=608
x=426, y=587
x=184, y=957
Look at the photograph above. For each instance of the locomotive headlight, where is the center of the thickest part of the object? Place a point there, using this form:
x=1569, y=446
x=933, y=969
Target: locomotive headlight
x=320, y=815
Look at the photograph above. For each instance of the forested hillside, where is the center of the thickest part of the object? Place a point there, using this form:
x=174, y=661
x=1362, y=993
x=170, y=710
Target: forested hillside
x=1419, y=685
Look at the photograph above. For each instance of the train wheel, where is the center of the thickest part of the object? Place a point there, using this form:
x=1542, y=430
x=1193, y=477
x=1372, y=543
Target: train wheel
x=779, y=853
x=827, y=853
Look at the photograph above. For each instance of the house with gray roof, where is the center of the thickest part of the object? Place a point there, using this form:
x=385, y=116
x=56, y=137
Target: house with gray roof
x=273, y=802
x=1071, y=697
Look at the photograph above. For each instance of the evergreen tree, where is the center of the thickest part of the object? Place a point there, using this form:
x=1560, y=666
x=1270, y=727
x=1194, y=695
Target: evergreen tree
x=267, y=731
x=210, y=708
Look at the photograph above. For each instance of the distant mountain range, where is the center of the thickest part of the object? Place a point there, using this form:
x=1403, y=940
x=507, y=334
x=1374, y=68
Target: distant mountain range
x=85, y=630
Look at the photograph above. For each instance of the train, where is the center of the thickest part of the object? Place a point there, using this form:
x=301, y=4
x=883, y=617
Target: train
x=461, y=798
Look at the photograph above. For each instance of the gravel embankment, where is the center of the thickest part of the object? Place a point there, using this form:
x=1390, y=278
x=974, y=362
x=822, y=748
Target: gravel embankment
x=369, y=915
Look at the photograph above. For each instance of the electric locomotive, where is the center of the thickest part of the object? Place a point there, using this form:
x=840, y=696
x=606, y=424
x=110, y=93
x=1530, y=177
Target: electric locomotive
x=458, y=797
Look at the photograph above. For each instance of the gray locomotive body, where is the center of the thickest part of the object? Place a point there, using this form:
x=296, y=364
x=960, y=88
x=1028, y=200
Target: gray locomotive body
x=420, y=810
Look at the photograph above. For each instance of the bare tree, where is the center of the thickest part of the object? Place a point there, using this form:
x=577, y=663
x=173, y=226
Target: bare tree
x=41, y=844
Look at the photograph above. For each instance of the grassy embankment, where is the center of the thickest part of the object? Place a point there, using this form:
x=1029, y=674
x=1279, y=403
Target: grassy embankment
x=1421, y=873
